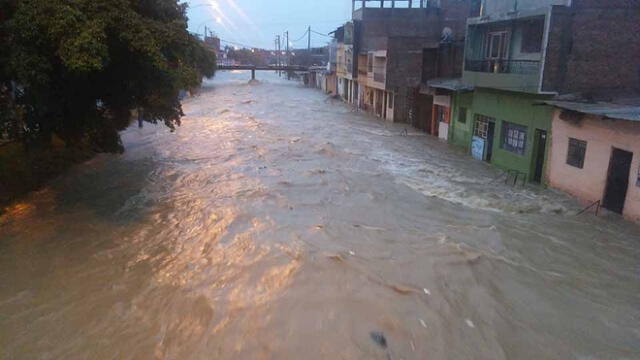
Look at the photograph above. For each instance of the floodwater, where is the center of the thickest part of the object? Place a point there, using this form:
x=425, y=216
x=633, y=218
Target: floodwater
x=279, y=224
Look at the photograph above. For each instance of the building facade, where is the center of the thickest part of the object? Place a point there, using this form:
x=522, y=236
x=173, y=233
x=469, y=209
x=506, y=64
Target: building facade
x=595, y=155
x=391, y=42
x=521, y=53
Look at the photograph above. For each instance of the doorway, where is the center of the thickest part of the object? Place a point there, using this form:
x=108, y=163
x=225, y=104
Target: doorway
x=490, y=135
x=484, y=131
x=617, y=180
x=424, y=113
x=540, y=145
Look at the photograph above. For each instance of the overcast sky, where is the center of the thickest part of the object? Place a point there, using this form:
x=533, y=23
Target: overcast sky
x=255, y=23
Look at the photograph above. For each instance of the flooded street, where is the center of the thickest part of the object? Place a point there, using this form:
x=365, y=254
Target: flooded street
x=278, y=224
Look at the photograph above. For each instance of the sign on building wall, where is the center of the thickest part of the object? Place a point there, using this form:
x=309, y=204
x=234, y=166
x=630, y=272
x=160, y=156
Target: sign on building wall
x=442, y=100
x=443, y=131
x=477, y=147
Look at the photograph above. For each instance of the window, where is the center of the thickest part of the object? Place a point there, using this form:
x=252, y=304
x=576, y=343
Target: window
x=638, y=182
x=462, y=115
x=497, y=45
x=514, y=138
x=576, y=153
x=532, y=33
x=481, y=129
x=390, y=101
x=370, y=63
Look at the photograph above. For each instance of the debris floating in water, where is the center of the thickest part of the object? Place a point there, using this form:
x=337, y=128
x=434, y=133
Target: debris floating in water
x=424, y=324
x=470, y=323
x=352, y=253
x=379, y=339
x=426, y=291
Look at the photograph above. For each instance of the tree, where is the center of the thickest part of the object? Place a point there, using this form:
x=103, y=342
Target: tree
x=247, y=56
x=77, y=68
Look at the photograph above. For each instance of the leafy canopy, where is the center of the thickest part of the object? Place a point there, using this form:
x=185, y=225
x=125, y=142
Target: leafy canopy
x=76, y=68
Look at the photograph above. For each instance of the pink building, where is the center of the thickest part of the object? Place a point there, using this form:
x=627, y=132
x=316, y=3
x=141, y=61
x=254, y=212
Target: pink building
x=595, y=154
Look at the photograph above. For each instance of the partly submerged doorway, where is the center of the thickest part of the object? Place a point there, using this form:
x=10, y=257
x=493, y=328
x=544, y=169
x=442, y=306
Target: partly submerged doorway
x=540, y=146
x=617, y=180
x=483, y=137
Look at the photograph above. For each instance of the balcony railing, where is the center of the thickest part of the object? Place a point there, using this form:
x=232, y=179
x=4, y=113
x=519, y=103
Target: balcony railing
x=378, y=77
x=498, y=66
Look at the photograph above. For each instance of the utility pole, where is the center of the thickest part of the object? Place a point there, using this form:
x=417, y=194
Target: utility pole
x=309, y=46
x=278, y=52
x=286, y=33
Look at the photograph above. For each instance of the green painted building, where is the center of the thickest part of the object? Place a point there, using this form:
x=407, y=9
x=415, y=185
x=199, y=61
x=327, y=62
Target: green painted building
x=501, y=121
x=507, y=129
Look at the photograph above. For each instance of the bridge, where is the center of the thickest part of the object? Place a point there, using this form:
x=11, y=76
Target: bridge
x=254, y=68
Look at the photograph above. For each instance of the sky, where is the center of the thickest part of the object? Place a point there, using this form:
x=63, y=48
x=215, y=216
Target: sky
x=255, y=23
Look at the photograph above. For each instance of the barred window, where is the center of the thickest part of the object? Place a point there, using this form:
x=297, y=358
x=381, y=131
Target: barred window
x=514, y=138
x=481, y=129
x=576, y=153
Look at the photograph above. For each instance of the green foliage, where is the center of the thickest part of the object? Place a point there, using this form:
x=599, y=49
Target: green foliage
x=247, y=56
x=77, y=68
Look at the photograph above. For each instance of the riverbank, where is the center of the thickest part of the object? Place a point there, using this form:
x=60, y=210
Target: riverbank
x=24, y=171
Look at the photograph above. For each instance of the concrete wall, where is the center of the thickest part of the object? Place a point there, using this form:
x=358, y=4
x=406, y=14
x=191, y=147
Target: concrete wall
x=460, y=133
x=594, y=47
x=376, y=25
x=330, y=84
x=588, y=184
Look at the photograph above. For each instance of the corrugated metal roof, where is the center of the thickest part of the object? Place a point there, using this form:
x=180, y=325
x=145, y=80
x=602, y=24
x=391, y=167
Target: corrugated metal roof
x=453, y=84
x=613, y=111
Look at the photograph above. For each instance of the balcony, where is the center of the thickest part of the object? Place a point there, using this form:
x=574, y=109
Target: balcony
x=500, y=66
x=506, y=52
x=377, y=69
x=511, y=75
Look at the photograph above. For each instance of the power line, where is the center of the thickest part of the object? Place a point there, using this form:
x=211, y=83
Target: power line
x=318, y=33
x=302, y=37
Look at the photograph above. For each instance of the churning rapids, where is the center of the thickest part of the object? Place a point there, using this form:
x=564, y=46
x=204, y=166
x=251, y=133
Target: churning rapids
x=278, y=224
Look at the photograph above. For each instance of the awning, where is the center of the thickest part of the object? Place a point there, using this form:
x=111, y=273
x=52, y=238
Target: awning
x=609, y=110
x=453, y=84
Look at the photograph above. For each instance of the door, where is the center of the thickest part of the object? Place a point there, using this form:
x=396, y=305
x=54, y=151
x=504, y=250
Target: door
x=490, y=135
x=483, y=134
x=541, y=146
x=618, y=180
x=496, y=50
x=379, y=99
x=424, y=112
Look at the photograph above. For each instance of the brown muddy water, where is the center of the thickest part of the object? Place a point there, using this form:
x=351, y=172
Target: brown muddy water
x=277, y=224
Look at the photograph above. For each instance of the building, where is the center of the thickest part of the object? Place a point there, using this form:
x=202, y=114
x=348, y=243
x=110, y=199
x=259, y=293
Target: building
x=392, y=41
x=328, y=78
x=521, y=53
x=345, y=63
x=212, y=42
x=595, y=153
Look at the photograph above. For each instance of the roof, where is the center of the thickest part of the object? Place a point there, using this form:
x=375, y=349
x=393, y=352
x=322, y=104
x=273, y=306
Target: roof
x=609, y=110
x=453, y=84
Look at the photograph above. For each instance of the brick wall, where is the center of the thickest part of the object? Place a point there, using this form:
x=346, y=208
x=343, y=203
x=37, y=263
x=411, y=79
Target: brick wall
x=594, y=48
